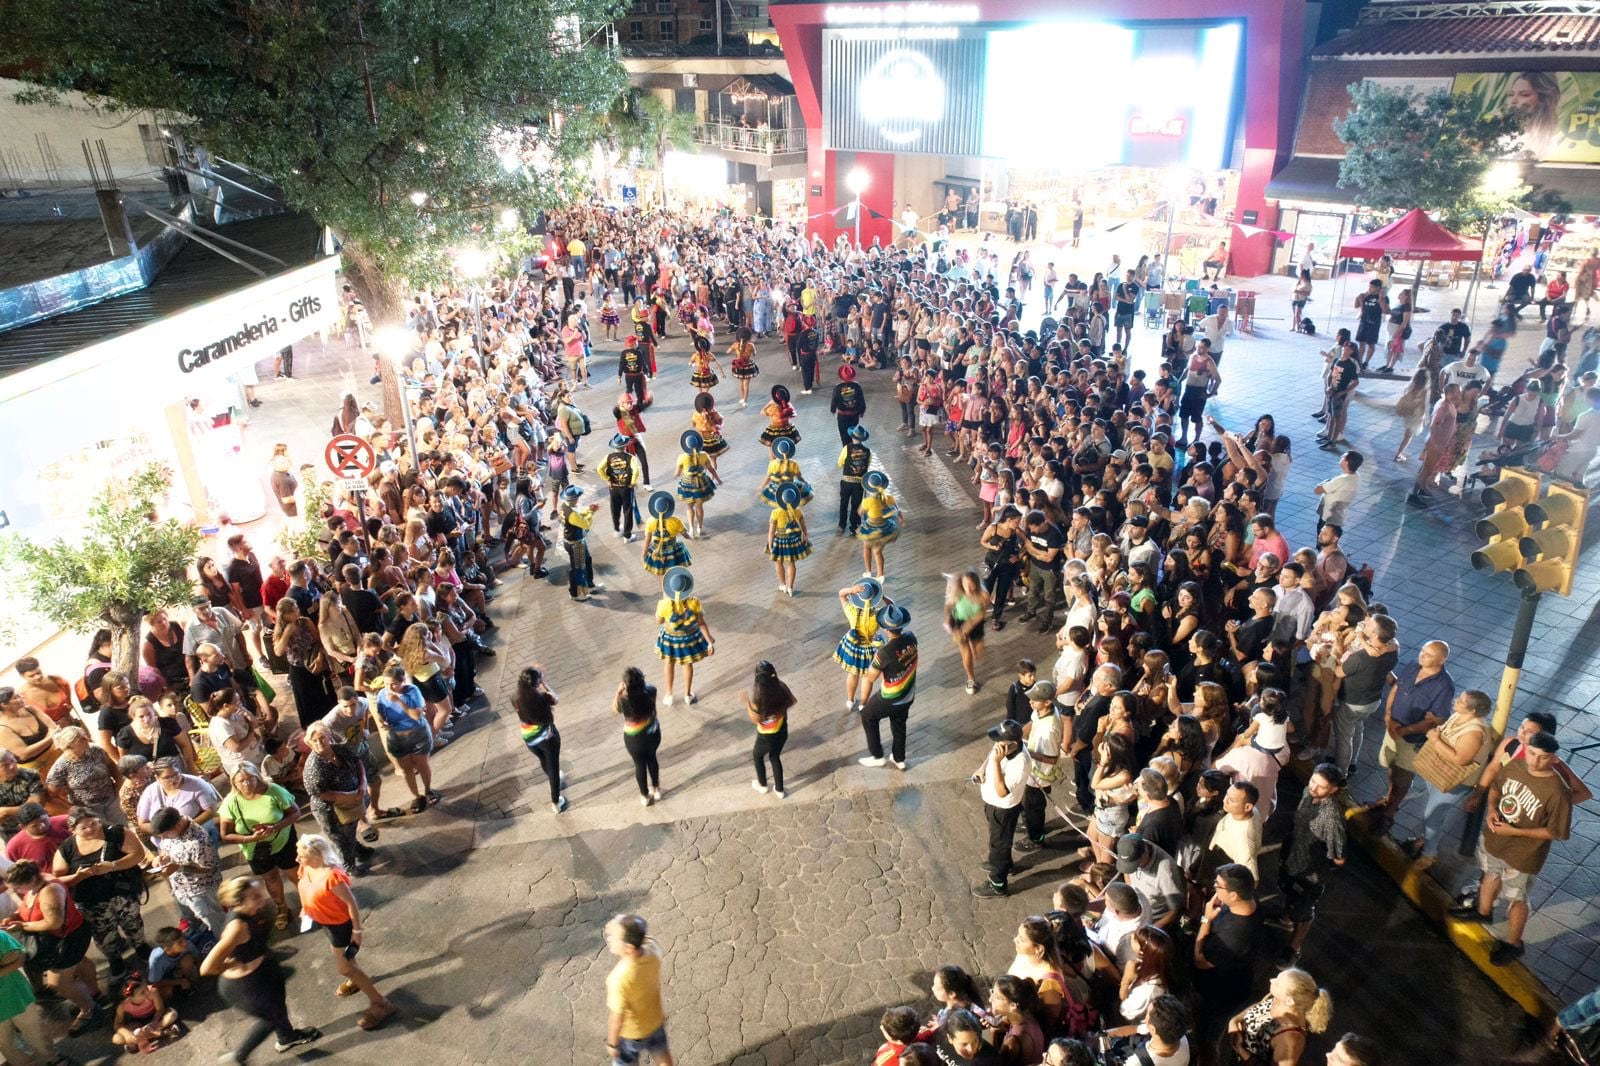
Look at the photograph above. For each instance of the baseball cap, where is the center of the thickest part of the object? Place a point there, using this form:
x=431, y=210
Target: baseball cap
x=1041, y=690
x=1131, y=850
x=1008, y=732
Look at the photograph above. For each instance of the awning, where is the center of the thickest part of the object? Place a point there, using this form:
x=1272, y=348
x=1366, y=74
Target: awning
x=951, y=179
x=1412, y=236
x=771, y=86
x=1315, y=179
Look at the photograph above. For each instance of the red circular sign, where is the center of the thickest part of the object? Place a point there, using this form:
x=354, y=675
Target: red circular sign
x=350, y=456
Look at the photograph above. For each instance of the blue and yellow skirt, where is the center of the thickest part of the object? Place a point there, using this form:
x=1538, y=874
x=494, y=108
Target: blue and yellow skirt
x=879, y=535
x=685, y=648
x=696, y=486
x=789, y=546
x=770, y=493
x=662, y=556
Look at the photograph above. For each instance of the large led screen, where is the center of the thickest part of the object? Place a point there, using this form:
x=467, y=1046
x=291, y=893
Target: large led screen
x=904, y=91
x=1087, y=95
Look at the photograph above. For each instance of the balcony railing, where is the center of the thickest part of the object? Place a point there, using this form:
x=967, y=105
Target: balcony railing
x=744, y=139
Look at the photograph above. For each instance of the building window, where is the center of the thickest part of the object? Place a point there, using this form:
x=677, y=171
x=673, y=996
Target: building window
x=667, y=30
x=749, y=11
x=705, y=25
x=663, y=6
x=635, y=31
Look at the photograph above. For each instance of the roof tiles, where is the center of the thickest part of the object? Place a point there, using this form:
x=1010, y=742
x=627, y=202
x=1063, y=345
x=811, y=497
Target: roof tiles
x=1508, y=34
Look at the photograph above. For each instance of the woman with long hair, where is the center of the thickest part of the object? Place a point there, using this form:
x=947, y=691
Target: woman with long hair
x=536, y=705
x=326, y=898
x=61, y=935
x=251, y=981
x=965, y=607
x=1015, y=1001
x=1039, y=958
x=213, y=584
x=768, y=704
x=1537, y=96
x=1148, y=974
x=296, y=639
x=426, y=663
x=407, y=737
x=1111, y=781
x=635, y=703
x=1273, y=1032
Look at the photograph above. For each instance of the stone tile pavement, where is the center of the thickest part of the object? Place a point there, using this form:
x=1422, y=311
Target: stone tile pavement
x=793, y=923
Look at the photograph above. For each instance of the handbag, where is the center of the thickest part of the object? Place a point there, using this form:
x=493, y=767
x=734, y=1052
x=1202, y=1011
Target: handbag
x=1433, y=766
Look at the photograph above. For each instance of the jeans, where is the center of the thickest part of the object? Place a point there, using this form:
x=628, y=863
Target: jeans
x=642, y=748
x=259, y=995
x=769, y=746
x=1349, y=720
x=1001, y=578
x=203, y=905
x=908, y=414
x=850, y=495
x=873, y=712
x=1436, y=814
x=1002, y=828
x=548, y=752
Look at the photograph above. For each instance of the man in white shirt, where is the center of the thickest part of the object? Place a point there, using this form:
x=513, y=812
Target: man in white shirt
x=1339, y=491
x=1114, y=931
x=1466, y=371
x=1214, y=327
x=1043, y=735
x=1002, y=778
x=1582, y=441
x=1295, y=611
x=1259, y=769
x=1238, y=835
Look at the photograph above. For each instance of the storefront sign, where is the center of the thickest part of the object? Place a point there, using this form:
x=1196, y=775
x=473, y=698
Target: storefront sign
x=1561, y=110
x=898, y=14
x=298, y=310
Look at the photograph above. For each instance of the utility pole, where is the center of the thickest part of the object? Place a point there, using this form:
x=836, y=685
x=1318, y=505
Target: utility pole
x=716, y=6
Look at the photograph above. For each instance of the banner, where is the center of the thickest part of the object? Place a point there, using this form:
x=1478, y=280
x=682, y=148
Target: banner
x=1563, y=110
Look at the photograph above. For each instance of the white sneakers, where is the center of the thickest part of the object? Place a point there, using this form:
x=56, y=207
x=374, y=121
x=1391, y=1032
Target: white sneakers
x=869, y=760
x=759, y=787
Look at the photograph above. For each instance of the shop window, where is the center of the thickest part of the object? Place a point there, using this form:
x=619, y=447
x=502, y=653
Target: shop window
x=749, y=11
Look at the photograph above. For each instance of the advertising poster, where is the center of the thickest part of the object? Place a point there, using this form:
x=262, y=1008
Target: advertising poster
x=1563, y=110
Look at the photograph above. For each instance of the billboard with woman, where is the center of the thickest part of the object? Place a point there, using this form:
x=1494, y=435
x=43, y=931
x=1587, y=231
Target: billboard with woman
x=1562, y=110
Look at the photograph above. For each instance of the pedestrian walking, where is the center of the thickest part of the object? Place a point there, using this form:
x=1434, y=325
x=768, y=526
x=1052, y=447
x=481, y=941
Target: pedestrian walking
x=636, y=1023
x=768, y=703
x=326, y=898
x=635, y=703
x=1001, y=780
x=535, y=705
x=250, y=979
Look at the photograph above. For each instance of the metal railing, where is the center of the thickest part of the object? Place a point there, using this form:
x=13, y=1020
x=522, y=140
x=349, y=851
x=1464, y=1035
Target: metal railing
x=744, y=139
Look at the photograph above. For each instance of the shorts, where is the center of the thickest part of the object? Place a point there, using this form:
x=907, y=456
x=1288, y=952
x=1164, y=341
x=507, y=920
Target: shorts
x=254, y=617
x=285, y=858
x=342, y=938
x=628, y=1051
x=1300, y=897
x=62, y=953
x=435, y=689
x=1397, y=754
x=1514, y=884
x=1297, y=304
x=1520, y=434
x=404, y=743
x=970, y=423
x=1123, y=320
x=369, y=759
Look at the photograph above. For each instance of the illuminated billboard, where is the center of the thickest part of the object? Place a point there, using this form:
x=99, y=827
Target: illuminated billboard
x=1072, y=95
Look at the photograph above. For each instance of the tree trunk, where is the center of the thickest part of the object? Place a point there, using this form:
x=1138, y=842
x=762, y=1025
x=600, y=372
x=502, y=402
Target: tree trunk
x=124, y=623
x=384, y=298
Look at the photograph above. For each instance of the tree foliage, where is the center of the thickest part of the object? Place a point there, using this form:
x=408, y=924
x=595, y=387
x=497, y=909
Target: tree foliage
x=352, y=106
x=126, y=563
x=1405, y=150
x=301, y=537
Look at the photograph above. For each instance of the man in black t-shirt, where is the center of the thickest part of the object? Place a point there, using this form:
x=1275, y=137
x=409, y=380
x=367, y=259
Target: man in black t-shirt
x=848, y=403
x=1228, y=944
x=1086, y=724
x=895, y=666
x=362, y=603
x=245, y=580
x=1453, y=336
x=1043, y=542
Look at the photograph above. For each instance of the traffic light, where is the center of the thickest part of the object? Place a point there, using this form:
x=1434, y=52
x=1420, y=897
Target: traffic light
x=1536, y=540
x=1550, y=551
x=1502, y=531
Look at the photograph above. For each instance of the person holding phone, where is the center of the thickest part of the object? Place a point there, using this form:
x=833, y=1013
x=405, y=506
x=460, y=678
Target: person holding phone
x=326, y=899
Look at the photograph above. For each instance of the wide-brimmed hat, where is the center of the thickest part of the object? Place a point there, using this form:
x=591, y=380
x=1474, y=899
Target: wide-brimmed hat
x=783, y=448
x=789, y=494
x=859, y=433
x=847, y=372
x=661, y=504
x=894, y=616
x=877, y=480
x=619, y=440
x=572, y=492
x=869, y=596
x=677, y=582
x=780, y=393
x=691, y=441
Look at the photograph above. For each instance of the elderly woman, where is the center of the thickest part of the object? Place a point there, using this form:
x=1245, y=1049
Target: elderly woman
x=136, y=777
x=149, y=735
x=100, y=864
x=192, y=797
x=259, y=816
x=45, y=911
x=85, y=776
x=336, y=781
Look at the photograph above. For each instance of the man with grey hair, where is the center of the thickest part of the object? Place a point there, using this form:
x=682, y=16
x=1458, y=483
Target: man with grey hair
x=1419, y=698
x=1086, y=725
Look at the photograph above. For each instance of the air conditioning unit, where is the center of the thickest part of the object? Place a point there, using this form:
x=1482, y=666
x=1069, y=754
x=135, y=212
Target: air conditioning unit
x=691, y=81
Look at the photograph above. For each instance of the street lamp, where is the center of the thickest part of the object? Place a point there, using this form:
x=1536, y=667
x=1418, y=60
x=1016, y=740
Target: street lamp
x=857, y=181
x=419, y=198
x=398, y=343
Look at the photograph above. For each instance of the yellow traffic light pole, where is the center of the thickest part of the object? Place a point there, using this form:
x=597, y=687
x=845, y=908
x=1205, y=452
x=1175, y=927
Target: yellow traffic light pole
x=1537, y=541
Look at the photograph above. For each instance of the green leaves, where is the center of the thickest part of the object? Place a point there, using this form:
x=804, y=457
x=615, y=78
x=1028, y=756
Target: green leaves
x=1406, y=150
x=290, y=88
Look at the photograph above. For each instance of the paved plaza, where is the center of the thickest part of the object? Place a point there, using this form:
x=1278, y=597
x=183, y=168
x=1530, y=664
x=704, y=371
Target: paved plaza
x=788, y=926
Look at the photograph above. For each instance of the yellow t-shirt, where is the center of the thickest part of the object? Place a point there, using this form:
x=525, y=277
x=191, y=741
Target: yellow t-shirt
x=783, y=469
x=671, y=527
x=698, y=460
x=678, y=617
x=576, y=247
x=633, y=990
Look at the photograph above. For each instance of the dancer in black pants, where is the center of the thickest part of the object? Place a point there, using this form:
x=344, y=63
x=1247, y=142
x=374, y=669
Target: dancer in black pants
x=806, y=344
x=855, y=458
x=536, y=715
x=848, y=403
x=769, y=712
x=252, y=982
x=641, y=731
x=891, y=684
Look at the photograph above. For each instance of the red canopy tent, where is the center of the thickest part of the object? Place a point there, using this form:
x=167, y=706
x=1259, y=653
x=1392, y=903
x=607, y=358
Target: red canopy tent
x=1412, y=236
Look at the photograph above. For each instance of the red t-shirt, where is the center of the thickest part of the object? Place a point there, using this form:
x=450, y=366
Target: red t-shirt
x=41, y=850
x=888, y=1054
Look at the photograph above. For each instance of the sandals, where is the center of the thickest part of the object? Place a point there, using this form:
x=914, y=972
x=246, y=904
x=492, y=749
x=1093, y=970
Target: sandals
x=386, y=813
x=376, y=1017
x=83, y=1023
x=433, y=797
x=418, y=805
x=281, y=922
x=370, y=833
x=345, y=989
